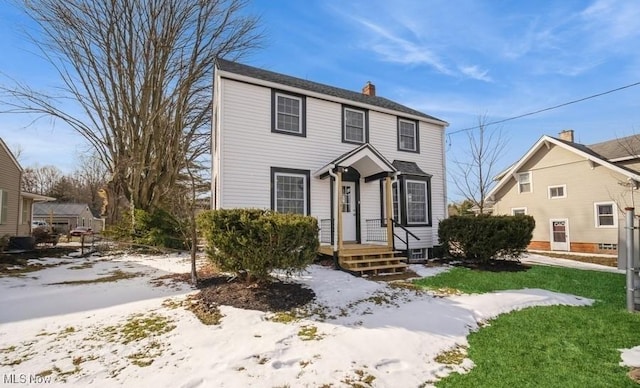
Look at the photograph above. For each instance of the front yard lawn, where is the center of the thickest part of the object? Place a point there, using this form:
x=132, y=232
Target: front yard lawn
x=557, y=346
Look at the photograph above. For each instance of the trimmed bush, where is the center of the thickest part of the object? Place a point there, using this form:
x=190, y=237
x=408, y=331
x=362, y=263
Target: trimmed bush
x=485, y=237
x=157, y=228
x=255, y=241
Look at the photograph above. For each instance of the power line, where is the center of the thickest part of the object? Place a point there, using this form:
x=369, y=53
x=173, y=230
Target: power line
x=545, y=109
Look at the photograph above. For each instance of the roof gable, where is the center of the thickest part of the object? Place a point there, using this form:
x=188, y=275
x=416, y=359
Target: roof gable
x=299, y=83
x=579, y=149
x=6, y=149
x=60, y=209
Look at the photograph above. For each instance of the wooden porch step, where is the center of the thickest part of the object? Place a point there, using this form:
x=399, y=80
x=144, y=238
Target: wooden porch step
x=377, y=253
x=374, y=260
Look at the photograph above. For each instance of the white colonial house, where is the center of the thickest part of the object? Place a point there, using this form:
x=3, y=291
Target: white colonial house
x=293, y=145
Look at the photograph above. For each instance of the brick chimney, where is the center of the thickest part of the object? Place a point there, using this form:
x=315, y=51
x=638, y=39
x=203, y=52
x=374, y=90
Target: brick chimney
x=567, y=135
x=369, y=89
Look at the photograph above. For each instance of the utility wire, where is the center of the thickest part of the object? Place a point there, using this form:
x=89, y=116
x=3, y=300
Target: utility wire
x=545, y=109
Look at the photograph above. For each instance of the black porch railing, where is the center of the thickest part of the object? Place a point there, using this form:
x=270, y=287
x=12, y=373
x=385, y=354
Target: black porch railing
x=326, y=231
x=405, y=240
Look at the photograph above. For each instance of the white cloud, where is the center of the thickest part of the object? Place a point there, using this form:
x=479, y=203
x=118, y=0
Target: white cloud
x=393, y=48
x=476, y=73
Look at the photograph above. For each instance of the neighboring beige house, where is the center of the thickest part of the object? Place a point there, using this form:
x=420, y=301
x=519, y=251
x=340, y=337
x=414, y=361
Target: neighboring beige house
x=15, y=205
x=66, y=216
x=576, y=193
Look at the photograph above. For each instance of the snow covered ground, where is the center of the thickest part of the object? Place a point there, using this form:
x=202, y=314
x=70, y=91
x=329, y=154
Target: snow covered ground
x=134, y=332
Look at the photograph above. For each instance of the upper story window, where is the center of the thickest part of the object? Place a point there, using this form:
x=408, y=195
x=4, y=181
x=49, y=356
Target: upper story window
x=557, y=192
x=354, y=126
x=524, y=182
x=606, y=215
x=408, y=135
x=288, y=113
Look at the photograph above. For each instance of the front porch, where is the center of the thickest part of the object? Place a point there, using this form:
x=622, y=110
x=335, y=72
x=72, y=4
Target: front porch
x=359, y=245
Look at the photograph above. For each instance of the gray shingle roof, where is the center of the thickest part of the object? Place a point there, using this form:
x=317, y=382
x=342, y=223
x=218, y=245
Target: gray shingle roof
x=618, y=148
x=42, y=209
x=410, y=168
x=611, y=149
x=266, y=75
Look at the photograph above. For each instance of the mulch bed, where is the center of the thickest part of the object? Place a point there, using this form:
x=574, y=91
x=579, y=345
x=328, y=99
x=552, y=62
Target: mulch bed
x=267, y=296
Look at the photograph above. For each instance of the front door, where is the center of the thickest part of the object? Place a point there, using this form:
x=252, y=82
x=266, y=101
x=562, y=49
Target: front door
x=559, y=234
x=348, y=211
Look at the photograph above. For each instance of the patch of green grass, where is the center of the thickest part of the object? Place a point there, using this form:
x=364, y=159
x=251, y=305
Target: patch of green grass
x=284, y=317
x=113, y=276
x=309, y=333
x=547, y=346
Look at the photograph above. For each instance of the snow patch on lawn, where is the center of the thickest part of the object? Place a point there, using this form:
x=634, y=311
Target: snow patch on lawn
x=357, y=331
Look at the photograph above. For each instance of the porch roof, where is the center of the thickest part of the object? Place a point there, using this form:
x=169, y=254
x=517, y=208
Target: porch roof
x=409, y=168
x=365, y=158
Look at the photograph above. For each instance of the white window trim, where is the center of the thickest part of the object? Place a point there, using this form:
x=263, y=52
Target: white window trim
x=415, y=135
x=564, y=191
x=530, y=182
x=304, y=189
x=299, y=131
x=513, y=210
x=426, y=202
x=596, y=215
x=364, y=126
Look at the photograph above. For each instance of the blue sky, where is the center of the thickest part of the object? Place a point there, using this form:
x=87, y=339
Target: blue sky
x=453, y=60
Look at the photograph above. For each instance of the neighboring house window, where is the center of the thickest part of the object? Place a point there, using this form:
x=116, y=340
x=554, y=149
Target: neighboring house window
x=408, y=135
x=519, y=211
x=556, y=192
x=25, y=212
x=416, y=202
x=354, y=125
x=288, y=113
x=524, y=182
x=290, y=190
x=606, y=215
x=4, y=206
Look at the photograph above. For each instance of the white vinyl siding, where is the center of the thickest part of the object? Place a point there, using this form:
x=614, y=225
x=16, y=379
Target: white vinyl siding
x=416, y=193
x=407, y=131
x=289, y=114
x=524, y=182
x=248, y=149
x=606, y=214
x=354, y=125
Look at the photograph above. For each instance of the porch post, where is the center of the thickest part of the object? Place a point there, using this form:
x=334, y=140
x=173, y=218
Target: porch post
x=339, y=208
x=389, y=212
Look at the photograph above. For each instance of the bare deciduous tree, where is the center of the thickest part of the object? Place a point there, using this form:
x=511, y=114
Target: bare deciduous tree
x=473, y=176
x=40, y=179
x=141, y=73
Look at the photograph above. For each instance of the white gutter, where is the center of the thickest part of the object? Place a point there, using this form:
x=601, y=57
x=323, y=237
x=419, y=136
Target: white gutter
x=335, y=201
